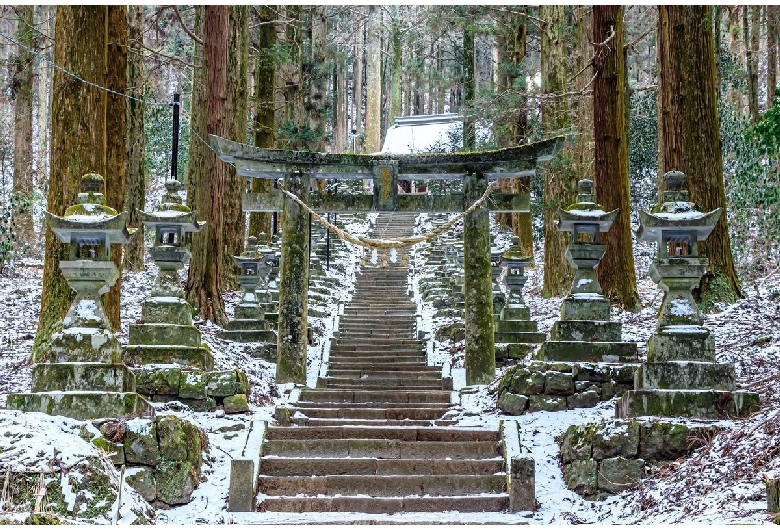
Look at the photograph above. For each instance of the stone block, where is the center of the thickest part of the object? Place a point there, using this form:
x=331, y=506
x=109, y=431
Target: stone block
x=193, y=384
x=175, y=481
x=527, y=382
x=516, y=312
x=166, y=310
x=221, y=384
x=241, y=492
x=593, y=352
x=141, y=479
x=619, y=474
x=528, y=337
x=249, y=335
x=141, y=446
x=235, y=404
x=557, y=383
x=585, y=307
x=66, y=377
x=242, y=382
x=519, y=350
x=586, y=331
x=522, y=484
x=616, y=438
x=582, y=400
x=512, y=404
x=86, y=345
x=515, y=326
x=580, y=476
x=171, y=437
x=83, y=405
x=116, y=452
x=577, y=443
x=547, y=403
x=163, y=335
x=249, y=312
x=685, y=375
x=185, y=356
x=705, y=404
x=663, y=441
x=152, y=381
x=664, y=347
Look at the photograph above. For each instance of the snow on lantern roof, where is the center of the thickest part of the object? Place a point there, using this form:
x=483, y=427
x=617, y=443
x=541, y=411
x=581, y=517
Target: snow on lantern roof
x=90, y=216
x=172, y=211
x=585, y=211
x=675, y=212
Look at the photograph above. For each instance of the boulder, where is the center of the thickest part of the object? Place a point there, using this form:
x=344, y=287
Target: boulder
x=619, y=474
x=512, y=404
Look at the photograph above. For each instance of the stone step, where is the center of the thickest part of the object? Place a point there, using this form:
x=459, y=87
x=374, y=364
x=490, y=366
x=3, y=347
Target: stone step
x=481, y=503
x=374, y=396
x=192, y=357
x=383, y=485
x=307, y=467
x=380, y=352
x=367, y=335
x=247, y=335
x=351, y=360
x=368, y=448
x=430, y=373
x=377, y=342
x=379, y=385
x=370, y=365
x=377, y=348
x=333, y=411
x=422, y=434
x=329, y=422
x=247, y=324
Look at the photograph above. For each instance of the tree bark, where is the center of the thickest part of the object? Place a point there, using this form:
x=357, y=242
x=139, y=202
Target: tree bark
x=135, y=189
x=690, y=129
x=45, y=22
x=357, y=83
x=22, y=92
x=752, y=61
x=88, y=135
x=374, y=81
x=771, y=53
x=213, y=185
x=395, y=81
x=616, y=270
x=469, y=83
x=560, y=180
x=265, y=123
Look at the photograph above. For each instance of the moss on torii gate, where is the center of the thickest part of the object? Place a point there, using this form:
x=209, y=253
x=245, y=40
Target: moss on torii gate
x=297, y=167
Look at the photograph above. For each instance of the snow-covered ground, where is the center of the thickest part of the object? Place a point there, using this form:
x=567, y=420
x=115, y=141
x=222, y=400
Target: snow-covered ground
x=722, y=483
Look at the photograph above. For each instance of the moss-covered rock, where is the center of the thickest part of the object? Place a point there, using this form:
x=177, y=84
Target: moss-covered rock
x=221, y=384
x=580, y=476
x=242, y=383
x=619, y=474
x=170, y=434
x=141, y=479
x=155, y=381
x=141, y=446
x=115, y=451
x=235, y=404
x=579, y=400
x=512, y=404
x=175, y=481
x=616, y=438
x=546, y=403
x=42, y=519
x=193, y=385
x=577, y=443
x=527, y=382
x=557, y=383
x=663, y=441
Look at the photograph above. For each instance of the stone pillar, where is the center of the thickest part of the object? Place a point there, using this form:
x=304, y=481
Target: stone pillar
x=293, y=285
x=385, y=185
x=478, y=285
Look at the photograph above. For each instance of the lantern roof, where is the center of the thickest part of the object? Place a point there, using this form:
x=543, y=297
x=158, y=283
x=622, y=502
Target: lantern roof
x=172, y=211
x=585, y=211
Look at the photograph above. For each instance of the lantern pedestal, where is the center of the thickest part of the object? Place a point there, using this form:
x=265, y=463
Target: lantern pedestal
x=681, y=377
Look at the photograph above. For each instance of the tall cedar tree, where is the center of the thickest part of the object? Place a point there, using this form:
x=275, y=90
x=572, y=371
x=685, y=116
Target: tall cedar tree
x=560, y=181
x=690, y=129
x=616, y=270
x=135, y=189
x=374, y=80
x=87, y=135
x=214, y=190
x=22, y=92
x=265, y=124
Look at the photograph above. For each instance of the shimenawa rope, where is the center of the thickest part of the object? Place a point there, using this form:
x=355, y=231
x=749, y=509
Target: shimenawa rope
x=387, y=244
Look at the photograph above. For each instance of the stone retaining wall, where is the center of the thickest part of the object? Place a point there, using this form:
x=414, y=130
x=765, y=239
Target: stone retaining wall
x=612, y=456
x=201, y=391
x=552, y=387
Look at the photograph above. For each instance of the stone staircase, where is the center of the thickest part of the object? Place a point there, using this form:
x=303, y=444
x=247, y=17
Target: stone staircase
x=373, y=437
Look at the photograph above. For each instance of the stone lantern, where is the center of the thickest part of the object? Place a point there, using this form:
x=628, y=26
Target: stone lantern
x=584, y=333
x=249, y=324
x=85, y=378
x=514, y=325
x=681, y=377
x=167, y=334
x=496, y=267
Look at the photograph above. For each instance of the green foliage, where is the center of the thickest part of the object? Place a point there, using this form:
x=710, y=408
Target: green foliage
x=158, y=126
x=18, y=204
x=643, y=151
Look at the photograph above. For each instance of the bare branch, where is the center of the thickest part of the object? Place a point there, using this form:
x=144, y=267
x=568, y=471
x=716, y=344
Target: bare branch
x=184, y=26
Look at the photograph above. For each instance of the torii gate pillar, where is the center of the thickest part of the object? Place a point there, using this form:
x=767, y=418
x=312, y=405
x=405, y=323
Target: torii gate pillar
x=480, y=359
x=292, y=343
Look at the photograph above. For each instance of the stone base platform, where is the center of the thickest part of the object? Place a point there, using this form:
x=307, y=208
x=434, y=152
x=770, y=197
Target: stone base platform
x=592, y=352
x=70, y=377
x=83, y=405
x=248, y=335
x=685, y=375
x=195, y=357
x=706, y=404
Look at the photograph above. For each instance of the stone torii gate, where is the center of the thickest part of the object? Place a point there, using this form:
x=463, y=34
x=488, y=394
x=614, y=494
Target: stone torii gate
x=475, y=170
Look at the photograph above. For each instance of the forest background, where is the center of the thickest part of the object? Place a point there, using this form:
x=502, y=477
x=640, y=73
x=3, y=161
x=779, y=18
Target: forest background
x=333, y=79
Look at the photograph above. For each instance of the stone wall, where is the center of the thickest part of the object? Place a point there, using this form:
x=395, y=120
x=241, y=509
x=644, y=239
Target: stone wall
x=552, y=387
x=612, y=456
x=200, y=390
x=163, y=456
